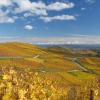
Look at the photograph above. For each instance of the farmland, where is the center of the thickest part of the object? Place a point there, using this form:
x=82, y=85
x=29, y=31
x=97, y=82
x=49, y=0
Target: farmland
x=30, y=72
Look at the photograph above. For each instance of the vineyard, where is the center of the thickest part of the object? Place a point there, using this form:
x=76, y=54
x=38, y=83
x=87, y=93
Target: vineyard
x=23, y=84
x=30, y=72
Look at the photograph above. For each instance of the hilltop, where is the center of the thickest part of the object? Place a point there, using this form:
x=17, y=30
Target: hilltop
x=18, y=49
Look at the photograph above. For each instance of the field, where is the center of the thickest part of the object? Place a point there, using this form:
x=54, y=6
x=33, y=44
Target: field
x=29, y=72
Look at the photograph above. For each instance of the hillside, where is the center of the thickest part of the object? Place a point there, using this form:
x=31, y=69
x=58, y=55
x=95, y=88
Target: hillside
x=52, y=70
x=18, y=49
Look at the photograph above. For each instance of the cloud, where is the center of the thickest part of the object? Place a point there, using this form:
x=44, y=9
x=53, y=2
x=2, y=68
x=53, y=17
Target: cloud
x=32, y=8
x=40, y=8
x=23, y=5
x=4, y=18
x=60, y=6
x=28, y=8
x=90, y=1
x=36, y=13
x=59, y=17
x=55, y=40
x=26, y=5
x=28, y=27
x=5, y=3
x=83, y=8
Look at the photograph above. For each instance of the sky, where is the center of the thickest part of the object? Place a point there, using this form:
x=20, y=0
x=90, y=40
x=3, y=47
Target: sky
x=50, y=21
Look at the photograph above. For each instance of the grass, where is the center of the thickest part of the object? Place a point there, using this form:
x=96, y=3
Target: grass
x=35, y=59
x=91, y=63
x=82, y=75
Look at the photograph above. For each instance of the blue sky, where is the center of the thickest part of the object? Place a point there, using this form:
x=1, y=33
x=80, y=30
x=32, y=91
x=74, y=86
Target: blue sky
x=50, y=21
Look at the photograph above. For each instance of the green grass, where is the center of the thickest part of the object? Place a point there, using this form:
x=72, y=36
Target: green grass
x=82, y=75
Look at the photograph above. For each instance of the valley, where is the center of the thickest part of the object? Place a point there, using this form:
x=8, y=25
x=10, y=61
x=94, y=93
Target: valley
x=30, y=72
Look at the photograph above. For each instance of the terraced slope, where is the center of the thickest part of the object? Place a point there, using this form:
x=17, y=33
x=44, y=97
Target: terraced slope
x=31, y=72
x=18, y=49
x=91, y=63
x=22, y=54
